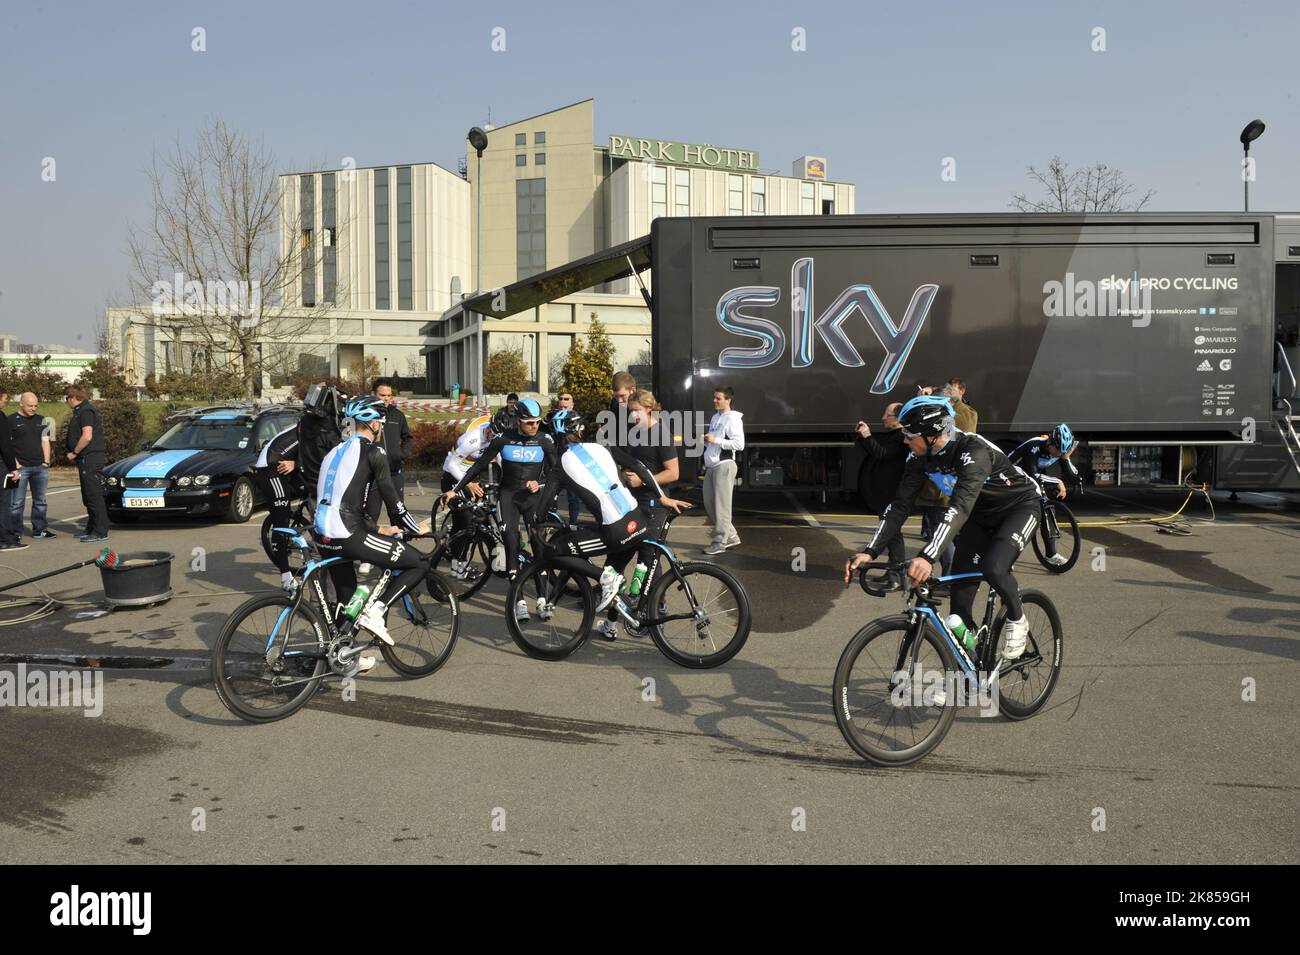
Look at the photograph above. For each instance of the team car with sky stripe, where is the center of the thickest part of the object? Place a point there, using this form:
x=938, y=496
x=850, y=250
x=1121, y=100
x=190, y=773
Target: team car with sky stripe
x=201, y=466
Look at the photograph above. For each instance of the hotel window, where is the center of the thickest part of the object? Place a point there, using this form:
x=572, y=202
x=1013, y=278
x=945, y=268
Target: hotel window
x=404, y=297
x=521, y=159
x=539, y=159
x=539, y=139
x=681, y=192
x=383, y=295
x=658, y=192
x=828, y=200
x=735, y=195
x=329, y=237
x=758, y=195
x=530, y=226
x=521, y=139
x=307, y=212
x=807, y=204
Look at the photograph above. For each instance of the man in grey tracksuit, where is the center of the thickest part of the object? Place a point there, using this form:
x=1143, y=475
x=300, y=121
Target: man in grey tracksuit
x=725, y=440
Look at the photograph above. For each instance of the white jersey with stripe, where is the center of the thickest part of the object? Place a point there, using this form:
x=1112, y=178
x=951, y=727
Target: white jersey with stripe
x=469, y=446
x=591, y=470
x=348, y=475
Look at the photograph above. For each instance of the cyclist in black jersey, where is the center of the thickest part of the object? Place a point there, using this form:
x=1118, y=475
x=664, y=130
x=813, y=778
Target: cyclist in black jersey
x=277, y=477
x=1045, y=452
x=349, y=474
x=992, y=513
x=527, y=454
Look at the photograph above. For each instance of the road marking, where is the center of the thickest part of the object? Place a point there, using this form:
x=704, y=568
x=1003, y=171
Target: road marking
x=812, y=521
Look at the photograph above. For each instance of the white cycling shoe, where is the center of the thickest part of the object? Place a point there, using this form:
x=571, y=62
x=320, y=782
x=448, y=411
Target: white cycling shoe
x=366, y=663
x=545, y=609
x=1058, y=560
x=521, y=611
x=1017, y=635
x=610, y=579
x=372, y=619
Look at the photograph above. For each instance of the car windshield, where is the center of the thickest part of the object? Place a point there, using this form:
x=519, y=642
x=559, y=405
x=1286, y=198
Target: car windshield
x=225, y=435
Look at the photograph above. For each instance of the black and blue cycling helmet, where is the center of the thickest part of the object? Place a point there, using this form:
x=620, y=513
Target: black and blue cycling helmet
x=926, y=416
x=567, y=421
x=528, y=410
x=1062, y=437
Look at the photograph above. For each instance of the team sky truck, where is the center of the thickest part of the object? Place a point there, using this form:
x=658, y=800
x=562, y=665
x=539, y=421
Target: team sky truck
x=1164, y=339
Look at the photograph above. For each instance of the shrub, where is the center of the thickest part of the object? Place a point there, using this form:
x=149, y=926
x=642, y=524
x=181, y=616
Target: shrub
x=104, y=375
x=431, y=440
x=34, y=377
x=201, y=386
x=506, y=371
x=587, y=372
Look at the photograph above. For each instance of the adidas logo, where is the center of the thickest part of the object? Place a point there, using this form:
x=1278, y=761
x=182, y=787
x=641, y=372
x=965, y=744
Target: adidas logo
x=1205, y=366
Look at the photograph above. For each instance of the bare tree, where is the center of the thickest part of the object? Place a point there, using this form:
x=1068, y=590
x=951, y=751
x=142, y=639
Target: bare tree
x=216, y=230
x=1095, y=188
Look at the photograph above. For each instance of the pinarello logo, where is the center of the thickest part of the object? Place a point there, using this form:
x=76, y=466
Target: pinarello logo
x=631, y=527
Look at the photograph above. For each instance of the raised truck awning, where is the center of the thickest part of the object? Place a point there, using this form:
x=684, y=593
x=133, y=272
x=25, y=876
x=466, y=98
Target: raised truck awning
x=621, y=261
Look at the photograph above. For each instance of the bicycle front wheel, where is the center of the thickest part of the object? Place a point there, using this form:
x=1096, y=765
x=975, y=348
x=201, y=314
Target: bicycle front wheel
x=472, y=548
x=698, y=615
x=1025, y=684
x=557, y=621
x=1057, y=536
x=893, y=699
x=269, y=658
x=424, y=625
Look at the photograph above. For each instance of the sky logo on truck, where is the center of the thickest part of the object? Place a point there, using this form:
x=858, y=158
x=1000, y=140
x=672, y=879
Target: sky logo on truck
x=897, y=340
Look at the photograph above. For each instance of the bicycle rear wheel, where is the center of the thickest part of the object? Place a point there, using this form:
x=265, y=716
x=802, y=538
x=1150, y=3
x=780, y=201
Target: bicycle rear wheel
x=557, y=628
x=251, y=686
x=1025, y=684
x=886, y=705
x=1058, y=526
x=424, y=625
x=712, y=610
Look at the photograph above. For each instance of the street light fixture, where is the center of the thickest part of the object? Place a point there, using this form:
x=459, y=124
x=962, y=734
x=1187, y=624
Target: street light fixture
x=1254, y=129
x=478, y=139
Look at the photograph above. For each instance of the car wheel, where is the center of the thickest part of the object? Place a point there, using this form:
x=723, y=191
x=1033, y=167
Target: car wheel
x=240, y=508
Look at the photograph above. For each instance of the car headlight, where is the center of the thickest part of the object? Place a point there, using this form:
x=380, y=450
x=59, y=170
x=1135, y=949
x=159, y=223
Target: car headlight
x=203, y=480
x=183, y=481
x=111, y=482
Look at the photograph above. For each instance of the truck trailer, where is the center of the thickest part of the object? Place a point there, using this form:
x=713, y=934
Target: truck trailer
x=1166, y=340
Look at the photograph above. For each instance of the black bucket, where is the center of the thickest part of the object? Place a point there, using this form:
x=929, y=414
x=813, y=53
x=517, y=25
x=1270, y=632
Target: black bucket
x=138, y=580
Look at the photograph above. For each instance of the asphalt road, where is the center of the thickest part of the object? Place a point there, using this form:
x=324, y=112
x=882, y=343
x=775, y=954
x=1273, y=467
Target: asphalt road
x=501, y=758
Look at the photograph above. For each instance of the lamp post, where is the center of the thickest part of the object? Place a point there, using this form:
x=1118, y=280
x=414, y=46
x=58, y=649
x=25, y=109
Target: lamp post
x=1254, y=129
x=479, y=141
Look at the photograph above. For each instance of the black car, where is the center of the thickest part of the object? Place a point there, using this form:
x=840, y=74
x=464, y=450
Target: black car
x=202, y=466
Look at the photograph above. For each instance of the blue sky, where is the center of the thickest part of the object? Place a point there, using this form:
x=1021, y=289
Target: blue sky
x=884, y=91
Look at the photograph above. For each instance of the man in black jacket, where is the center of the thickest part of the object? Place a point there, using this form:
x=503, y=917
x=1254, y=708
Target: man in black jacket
x=86, y=449
x=885, y=456
x=397, y=438
x=10, y=536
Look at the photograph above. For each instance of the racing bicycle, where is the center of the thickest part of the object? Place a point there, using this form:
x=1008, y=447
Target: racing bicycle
x=275, y=651
x=696, y=613
x=1057, y=535
x=901, y=678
